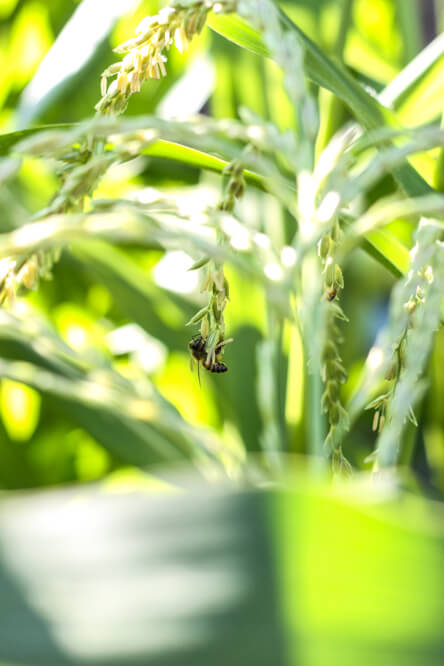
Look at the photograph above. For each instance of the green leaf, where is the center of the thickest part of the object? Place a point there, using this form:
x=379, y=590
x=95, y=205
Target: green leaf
x=238, y=31
x=134, y=295
x=197, y=158
x=319, y=67
x=384, y=552
x=140, y=429
x=367, y=110
x=108, y=576
x=11, y=139
x=51, y=81
x=331, y=75
x=136, y=442
x=409, y=19
x=416, y=93
x=131, y=577
x=161, y=148
x=383, y=246
x=378, y=244
x=20, y=409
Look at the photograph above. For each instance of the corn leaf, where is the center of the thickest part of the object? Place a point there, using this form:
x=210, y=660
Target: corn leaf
x=104, y=575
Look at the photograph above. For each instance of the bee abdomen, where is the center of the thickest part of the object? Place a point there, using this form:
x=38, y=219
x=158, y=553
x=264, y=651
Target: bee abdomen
x=219, y=367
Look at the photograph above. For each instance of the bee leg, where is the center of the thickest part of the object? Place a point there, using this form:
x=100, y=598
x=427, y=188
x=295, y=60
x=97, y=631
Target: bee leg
x=210, y=360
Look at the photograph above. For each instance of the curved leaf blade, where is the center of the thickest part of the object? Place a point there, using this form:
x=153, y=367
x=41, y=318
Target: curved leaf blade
x=72, y=51
x=238, y=31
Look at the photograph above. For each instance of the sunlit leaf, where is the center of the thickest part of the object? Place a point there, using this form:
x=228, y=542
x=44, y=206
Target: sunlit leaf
x=188, y=577
x=71, y=52
x=237, y=30
x=388, y=250
x=20, y=408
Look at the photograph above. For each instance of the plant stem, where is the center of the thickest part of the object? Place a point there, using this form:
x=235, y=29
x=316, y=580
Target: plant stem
x=410, y=23
x=346, y=15
x=313, y=327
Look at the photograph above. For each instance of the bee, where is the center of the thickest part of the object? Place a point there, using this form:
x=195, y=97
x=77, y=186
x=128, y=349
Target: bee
x=210, y=359
x=331, y=295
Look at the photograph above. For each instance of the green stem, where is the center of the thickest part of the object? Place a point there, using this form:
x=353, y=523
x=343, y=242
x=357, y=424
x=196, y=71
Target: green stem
x=439, y=170
x=280, y=383
x=313, y=326
x=410, y=24
x=271, y=384
x=346, y=16
x=331, y=107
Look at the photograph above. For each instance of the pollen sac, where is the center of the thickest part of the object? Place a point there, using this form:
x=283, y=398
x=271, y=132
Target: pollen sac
x=324, y=247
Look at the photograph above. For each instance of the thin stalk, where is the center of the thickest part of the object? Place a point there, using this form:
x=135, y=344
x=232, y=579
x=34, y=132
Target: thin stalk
x=345, y=21
x=313, y=327
x=278, y=373
x=268, y=390
x=332, y=109
x=439, y=171
x=316, y=420
x=410, y=23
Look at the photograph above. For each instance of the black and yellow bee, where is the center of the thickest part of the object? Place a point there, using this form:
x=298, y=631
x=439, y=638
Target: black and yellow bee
x=210, y=359
x=331, y=295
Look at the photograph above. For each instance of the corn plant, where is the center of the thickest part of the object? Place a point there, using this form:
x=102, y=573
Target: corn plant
x=253, y=190
x=318, y=179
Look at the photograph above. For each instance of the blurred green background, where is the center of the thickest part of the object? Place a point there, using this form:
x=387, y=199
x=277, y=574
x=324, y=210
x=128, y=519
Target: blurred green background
x=125, y=308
